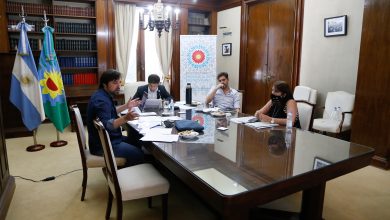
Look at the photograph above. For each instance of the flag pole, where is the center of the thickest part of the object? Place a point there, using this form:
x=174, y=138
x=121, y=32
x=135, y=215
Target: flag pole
x=58, y=142
x=35, y=147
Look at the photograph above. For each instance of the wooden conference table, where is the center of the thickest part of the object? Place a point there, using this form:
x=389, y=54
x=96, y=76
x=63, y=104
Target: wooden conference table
x=238, y=169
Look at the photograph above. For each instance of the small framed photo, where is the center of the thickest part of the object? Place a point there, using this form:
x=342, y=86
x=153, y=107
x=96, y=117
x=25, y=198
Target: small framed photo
x=319, y=163
x=227, y=49
x=335, y=26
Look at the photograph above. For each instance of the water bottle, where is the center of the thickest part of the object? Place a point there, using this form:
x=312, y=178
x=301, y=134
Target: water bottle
x=289, y=123
x=188, y=94
x=172, y=107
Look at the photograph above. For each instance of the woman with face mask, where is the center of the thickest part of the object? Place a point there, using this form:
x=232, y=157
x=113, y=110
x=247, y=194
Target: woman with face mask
x=281, y=102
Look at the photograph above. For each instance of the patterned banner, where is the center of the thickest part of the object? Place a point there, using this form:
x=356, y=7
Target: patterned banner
x=198, y=65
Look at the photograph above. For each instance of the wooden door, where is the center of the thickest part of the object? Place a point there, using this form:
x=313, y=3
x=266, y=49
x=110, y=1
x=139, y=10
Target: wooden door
x=281, y=41
x=269, y=49
x=257, y=50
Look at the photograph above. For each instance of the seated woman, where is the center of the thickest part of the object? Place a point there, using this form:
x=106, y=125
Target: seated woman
x=281, y=102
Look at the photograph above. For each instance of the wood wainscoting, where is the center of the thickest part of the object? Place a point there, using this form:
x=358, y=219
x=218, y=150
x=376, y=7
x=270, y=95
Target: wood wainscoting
x=371, y=115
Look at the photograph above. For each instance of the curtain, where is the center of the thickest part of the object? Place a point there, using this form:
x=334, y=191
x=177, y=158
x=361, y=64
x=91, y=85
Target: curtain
x=164, y=45
x=125, y=26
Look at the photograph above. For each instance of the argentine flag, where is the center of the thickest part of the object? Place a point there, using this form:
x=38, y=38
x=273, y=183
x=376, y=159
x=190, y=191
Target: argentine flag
x=25, y=91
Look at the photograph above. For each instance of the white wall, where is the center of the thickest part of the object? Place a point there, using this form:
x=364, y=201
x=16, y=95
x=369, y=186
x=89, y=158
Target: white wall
x=231, y=19
x=330, y=63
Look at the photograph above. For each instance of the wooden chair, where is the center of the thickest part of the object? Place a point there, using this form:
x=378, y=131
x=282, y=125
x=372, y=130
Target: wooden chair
x=135, y=182
x=88, y=160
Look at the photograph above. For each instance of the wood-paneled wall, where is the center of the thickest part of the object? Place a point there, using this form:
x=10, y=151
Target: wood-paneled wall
x=371, y=116
x=7, y=182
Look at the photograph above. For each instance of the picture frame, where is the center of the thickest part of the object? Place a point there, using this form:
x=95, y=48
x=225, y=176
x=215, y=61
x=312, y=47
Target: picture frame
x=227, y=49
x=319, y=163
x=335, y=26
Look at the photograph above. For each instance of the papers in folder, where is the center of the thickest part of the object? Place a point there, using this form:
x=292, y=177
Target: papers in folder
x=242, y=119
x=246, y=121
x=261, y=125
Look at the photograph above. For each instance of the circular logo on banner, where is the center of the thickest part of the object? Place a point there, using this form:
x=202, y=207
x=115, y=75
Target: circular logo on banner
x=198, y=56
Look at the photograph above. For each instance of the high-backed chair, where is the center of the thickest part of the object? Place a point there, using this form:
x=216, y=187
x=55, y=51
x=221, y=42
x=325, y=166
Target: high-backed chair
x=343, y=101
x=130, y=88
x=306, y=99
x=88, y=160
x=135, y=182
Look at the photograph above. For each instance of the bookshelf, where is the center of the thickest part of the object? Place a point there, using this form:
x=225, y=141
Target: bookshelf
x=199, y=22
x=74, y=24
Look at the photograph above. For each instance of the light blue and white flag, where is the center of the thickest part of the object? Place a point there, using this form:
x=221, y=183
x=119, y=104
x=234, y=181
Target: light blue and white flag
x=25, y=91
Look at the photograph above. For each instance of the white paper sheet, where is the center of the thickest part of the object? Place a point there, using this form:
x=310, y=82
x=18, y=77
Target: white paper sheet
x=160, y=137
x=242, y=119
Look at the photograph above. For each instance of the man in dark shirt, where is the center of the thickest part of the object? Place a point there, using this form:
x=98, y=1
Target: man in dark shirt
x=153, y=90
x=101, y=105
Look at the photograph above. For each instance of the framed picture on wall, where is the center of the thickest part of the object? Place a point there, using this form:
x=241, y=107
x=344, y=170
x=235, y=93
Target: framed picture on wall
x=335, y=26
x=319, y=163
x=227, y=49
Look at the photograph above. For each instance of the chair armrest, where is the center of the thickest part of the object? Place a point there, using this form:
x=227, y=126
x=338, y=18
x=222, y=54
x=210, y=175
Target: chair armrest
x=342, y=119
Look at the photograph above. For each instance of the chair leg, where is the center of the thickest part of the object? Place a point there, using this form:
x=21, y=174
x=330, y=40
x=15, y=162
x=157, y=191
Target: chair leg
x=109, y=203
x=84, y=184
x=165, y=206
x=119, y=209
x=150, y=202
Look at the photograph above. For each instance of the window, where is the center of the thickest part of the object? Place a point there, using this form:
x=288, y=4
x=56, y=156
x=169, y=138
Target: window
x=152, y=63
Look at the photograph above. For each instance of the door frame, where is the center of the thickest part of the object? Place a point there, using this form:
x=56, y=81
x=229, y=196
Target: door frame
x=244, y=41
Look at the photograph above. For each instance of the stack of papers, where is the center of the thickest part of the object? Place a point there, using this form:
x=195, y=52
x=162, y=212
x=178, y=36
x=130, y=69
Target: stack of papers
x=261, y=125
x=242, y=120
x=124, y=112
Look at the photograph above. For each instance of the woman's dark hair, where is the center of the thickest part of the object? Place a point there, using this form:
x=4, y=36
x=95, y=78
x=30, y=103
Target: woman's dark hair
x=108, y=76
x=153, y=79
x=284, y=88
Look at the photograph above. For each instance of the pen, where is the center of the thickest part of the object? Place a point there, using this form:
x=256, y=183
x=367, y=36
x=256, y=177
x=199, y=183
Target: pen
x=154, y=126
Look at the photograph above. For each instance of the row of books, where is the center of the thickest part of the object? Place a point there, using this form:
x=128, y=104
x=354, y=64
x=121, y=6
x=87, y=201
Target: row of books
x=64, y=44
x=79, y=78
x=35, y=44
x=16, y=7
x=63, y=27
x=77, y=61
x=35, y=25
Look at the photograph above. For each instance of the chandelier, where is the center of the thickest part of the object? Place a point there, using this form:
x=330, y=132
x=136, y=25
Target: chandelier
x=159, y=18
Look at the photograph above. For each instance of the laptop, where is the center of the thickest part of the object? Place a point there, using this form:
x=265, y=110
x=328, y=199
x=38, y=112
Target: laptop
x=151, y=105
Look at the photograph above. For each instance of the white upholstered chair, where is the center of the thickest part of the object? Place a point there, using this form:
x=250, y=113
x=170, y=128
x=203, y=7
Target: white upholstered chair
x=306, y=99
x=88, y=160
x=135, y=182
x=337, y=99
x=131, y=87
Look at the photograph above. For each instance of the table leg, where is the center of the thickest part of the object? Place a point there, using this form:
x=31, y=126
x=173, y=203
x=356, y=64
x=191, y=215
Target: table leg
x=313, y=202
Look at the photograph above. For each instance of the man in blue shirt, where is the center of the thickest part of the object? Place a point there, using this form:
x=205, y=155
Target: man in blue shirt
x=101, y=105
